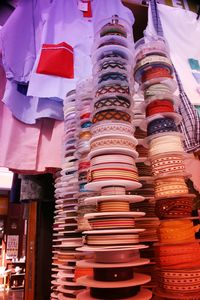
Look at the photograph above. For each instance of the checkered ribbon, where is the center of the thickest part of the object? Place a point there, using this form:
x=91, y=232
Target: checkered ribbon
x=190, y=125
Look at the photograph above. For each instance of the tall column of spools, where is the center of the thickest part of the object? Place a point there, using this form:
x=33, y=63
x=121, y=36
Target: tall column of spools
x=84, y=92
x=178, y=252
x=66, y=237
x=113, y=239
x=150, y=221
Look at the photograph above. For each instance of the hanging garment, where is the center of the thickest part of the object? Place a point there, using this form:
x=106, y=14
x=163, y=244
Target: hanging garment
x=20, y=38
x=190, y=125
x=29, y=18
x=29, y=149
x=28, y=109
x=181, y=29
x=67, y=23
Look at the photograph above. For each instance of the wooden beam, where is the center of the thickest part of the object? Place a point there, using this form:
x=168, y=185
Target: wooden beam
x=31, y=253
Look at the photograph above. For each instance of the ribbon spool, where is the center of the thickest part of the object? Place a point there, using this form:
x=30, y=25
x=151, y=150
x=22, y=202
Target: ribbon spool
x=174, y=208
x=114, y=293
x=159, y=106
x=161, y=125
x=113, y=274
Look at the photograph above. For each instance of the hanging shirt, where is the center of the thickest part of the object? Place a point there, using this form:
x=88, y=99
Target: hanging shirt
x=20, y=38
x=66, y=23
x=29, y=109
x=182, y=32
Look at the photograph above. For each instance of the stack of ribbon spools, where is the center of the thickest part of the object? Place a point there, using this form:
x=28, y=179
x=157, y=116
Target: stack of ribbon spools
x=150, y=222
x=84, y=91
x=114, y=240
x=178, y=252
x=67, y=238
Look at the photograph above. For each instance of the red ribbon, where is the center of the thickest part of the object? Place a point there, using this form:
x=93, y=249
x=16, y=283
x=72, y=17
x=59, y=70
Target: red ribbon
x=155, y=73
x=159, y=106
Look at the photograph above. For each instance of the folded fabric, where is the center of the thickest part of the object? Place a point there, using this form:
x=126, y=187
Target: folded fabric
x=57, y=60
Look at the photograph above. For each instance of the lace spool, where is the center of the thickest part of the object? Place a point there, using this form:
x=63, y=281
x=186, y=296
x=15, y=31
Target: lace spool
x=112, y=128
x=110, y=142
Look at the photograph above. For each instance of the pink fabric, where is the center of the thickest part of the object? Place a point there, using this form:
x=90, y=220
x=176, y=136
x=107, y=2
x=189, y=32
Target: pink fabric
x=28, y=148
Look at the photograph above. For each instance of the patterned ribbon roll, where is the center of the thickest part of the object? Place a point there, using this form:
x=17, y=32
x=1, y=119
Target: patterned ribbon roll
x=178, y=256
x=171, y=186
x=161, y=125
x=180, y=207
x=112, y=158
x=112, y=128
x=157, y=89
x=167, y=164
x=113, y=89
x=155, y=72
x=112, y=64
x=112, y=101
x=151, y=51
x=111, y=172
x=112, y=41
x=113, y=274
x=159, y=106
x=113, y=206
x=114, y=293
x=113, y=76
x=115, y=53
x=112, y=239
x=113, y=29
x=111, y=114
x=175, y=231
x=110, y=223
x=163, y=144
x=182, y=281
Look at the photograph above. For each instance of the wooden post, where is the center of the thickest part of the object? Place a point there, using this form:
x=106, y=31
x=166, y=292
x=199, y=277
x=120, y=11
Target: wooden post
x=31, y=253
